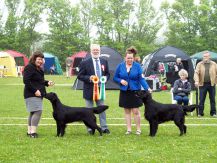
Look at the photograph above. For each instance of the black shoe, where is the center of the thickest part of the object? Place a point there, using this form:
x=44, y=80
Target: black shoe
x=28, y=134
x=106, y=131
x=33, y=135
x=90, y=132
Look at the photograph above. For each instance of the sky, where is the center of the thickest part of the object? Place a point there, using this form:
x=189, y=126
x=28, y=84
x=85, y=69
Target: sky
x=43, y=27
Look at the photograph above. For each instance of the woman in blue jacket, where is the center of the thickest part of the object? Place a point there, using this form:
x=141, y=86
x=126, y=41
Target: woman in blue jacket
x=129, y=76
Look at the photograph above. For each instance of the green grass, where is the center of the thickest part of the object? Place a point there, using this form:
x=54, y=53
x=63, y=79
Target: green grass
x=199, y=145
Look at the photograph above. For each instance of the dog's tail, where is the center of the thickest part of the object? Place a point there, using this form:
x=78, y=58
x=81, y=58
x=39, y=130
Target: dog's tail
x=189, y=108
x=99, y=109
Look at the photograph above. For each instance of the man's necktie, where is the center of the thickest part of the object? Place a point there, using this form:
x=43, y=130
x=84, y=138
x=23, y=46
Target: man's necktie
x=98, y=72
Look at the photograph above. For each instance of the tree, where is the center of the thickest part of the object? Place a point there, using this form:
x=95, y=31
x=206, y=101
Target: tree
x=182, y=24
x=10, y=29
x=1, y=29
x=31, y=17
x=145, y=28
x=85, y=8
x=19, y=30
x=112, y=20
x=122, y=23
x=66, y=33
x=192, y=27
x=213, y=23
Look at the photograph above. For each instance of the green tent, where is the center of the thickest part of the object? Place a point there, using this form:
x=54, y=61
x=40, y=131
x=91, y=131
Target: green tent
x=199, y=56
x=58, y=66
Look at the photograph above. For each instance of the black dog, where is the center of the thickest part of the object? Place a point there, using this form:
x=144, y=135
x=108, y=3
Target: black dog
x=65, y=114
x=157, y=113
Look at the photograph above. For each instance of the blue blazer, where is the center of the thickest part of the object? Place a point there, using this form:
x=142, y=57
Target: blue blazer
x=134, y=78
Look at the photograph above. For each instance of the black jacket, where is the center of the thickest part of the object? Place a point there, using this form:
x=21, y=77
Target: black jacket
x=86, y=70
x=180, y=66
x=186, y=88
x=33, y=80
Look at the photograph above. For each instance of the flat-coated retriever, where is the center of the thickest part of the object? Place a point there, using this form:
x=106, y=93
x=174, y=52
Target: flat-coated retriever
x=157, y=113
x=65, y=114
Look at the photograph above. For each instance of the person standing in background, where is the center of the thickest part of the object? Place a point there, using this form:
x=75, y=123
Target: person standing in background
x=52, y=69
x=205, y=77
x=68, y=67
x=177, y=67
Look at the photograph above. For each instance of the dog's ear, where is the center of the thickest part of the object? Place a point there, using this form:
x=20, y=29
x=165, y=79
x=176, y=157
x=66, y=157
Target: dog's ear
x=142, y=94
x=53, y=94
x=55, y=97
x=138, y=93
x=148, y=94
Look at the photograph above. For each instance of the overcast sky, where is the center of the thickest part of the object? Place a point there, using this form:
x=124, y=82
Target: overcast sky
x=43, y=27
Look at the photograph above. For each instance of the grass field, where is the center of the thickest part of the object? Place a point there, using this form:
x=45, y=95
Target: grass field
x=199, y=145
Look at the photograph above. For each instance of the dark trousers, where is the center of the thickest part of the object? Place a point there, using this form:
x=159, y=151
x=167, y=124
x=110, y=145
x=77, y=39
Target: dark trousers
x=203, y=91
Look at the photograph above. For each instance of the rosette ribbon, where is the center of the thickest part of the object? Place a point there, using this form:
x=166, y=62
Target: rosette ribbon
x=103, y=79
x=95, y=81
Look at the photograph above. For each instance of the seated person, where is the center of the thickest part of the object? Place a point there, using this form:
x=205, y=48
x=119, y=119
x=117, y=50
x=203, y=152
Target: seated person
x=182, y=88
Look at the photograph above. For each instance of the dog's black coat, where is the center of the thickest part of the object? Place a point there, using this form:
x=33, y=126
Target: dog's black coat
x=65, y=114
x=157, y=113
